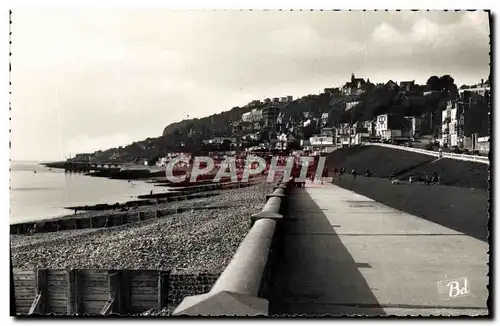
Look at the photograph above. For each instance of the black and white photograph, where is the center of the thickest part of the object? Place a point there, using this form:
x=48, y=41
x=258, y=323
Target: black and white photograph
x=277, y=163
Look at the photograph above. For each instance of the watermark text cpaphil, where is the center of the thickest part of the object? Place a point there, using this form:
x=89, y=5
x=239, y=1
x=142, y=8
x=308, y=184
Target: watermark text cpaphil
x=253, y=165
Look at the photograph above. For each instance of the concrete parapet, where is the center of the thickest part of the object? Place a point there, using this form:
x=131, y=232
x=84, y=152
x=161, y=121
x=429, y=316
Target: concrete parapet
x=271, y=210
x=236, y=291
x=278, y=192
x=281, y=185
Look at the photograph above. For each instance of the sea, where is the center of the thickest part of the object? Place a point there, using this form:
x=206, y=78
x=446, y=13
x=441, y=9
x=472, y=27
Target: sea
x=38, y=192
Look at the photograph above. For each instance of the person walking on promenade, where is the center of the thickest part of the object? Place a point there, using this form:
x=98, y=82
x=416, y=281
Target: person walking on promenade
x=353, y=172
x=435, y=178
x=341, y=173
x=324, y=174
x=427, y=179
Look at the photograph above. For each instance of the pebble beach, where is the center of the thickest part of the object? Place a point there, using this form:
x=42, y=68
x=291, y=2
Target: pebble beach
x=199, y=240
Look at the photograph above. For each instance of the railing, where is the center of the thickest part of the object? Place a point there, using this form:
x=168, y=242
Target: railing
x=236, y=292
x=462, y=157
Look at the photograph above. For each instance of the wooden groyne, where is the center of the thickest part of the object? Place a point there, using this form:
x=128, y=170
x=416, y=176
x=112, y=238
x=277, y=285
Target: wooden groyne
x=103, y=292
x=187, y=190
x=129, y=214
x=98, y=221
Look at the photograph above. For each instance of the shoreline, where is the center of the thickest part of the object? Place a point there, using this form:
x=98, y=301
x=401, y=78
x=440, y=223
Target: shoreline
x=202, y=238
x=145, y=201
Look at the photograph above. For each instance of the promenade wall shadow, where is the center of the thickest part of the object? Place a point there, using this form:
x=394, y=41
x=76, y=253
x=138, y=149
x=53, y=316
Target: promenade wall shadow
x=461, y=209
x=314, y=274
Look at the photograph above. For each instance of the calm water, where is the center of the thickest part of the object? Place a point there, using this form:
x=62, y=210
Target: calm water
x=45, y=193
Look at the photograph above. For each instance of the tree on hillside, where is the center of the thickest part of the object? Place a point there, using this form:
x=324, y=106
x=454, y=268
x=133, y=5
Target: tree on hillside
x=434, y=83
x=447, y=83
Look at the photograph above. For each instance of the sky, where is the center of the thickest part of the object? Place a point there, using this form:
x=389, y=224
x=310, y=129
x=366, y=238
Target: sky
x=84, y=80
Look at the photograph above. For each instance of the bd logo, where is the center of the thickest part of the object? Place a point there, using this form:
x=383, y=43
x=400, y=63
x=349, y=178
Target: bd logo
x=454, y=288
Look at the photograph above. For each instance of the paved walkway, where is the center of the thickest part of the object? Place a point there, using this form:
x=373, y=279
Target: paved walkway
x=346, y=254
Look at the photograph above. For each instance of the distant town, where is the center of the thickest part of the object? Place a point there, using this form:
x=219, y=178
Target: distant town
x=434, y=116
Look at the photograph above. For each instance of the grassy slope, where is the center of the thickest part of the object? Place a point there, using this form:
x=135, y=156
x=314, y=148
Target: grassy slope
x=381, y=161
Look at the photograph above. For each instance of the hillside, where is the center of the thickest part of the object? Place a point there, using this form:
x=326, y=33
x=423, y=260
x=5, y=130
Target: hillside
x=376, y=100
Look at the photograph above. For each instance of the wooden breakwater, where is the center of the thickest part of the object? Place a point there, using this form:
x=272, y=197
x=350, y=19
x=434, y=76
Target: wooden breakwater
x=147, y=200
x=103, y=292
x=186, y=190
x=110, y=219
x=97, y=221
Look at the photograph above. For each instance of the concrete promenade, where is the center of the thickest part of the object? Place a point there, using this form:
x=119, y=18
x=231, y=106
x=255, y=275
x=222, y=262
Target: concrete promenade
x=346, y=254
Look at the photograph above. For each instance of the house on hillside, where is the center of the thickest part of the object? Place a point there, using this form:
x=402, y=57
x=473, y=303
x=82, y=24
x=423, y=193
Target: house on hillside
x=407, y=86
x=356, y=86
x=483, y=88
x=391, y=85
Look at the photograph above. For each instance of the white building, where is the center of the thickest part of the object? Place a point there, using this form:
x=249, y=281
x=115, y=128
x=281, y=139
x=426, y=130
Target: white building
x=246, y=117
x=343, y=135
x=321, y=140
x=480, y=88
x=384, y=128
x=322, y=143
x=369, y=125
x=254, y=115
x=483, y=144
x=359, y=132
x=449, y=125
